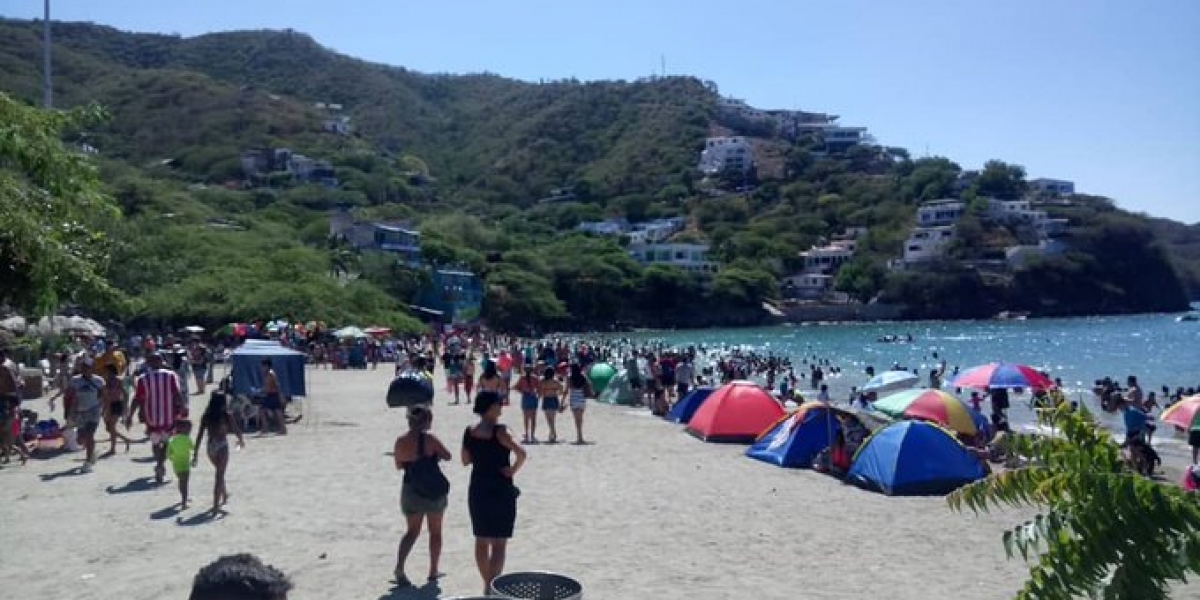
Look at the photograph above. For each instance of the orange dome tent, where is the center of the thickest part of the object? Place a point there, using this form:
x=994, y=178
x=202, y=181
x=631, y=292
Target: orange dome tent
x=736, y=413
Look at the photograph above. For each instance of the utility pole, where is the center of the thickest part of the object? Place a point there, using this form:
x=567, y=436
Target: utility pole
x=47, y=91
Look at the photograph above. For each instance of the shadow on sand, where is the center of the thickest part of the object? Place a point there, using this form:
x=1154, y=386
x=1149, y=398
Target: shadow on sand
x=72, y=472
x=429, y=591
x=141, y=484
x=165, y=513
x=207, y=516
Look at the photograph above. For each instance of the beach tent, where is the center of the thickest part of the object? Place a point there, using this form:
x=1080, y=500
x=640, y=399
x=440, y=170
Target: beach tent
x=288, y=365
x=601, y=374
x=618, y=391
x=737, y=413
x=914, y=458
x=796, y=439
x=686, y=407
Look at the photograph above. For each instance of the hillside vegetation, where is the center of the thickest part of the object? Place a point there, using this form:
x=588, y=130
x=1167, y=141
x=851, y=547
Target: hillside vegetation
x=468, y=159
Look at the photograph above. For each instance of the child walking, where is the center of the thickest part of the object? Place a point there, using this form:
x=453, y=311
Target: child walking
x=179, y=452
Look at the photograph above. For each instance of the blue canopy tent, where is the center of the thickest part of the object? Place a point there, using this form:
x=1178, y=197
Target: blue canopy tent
x=798, y=438
x=914, y=458
x=288, y=365
x=688, y=405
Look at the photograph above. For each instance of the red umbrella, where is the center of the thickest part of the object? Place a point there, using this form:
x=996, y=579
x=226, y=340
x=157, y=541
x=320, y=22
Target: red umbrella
x=1002, y=375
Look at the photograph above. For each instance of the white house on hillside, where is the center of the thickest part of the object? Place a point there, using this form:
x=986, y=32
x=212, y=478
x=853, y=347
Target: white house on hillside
x=1052, y=187
x=692, y=258
x=726, y=153
x=826, y=259
x=927, y=243
x=939, y=212
x=1013, y=211
x=806, y=286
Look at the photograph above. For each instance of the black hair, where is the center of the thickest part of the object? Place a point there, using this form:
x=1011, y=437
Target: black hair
x=548, y=374
x=489, y=369
x=218, y=404
x=577, y=379
x=240, y=577
x=484, y=402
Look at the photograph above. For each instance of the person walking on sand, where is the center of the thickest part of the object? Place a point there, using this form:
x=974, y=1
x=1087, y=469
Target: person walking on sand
x=551, y=393
x=487, y=448
x=490, y=383
x=83, y=403
x=116, y=401
x=272, y=399
x=527, y=387
x=179, y=451
x=468, y=375
x=579, y=388
x=217, y=423
x=424, y=491
x=158, y=400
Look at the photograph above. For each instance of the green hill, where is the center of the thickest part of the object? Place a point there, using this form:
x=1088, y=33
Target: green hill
x=466, y=158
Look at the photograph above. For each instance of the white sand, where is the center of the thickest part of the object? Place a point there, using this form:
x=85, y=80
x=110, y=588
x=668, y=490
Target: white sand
x=645, y=512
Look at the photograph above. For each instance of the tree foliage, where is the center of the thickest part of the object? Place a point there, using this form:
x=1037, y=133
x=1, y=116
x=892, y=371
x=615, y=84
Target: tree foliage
x=1103, y=530
x=52, y=208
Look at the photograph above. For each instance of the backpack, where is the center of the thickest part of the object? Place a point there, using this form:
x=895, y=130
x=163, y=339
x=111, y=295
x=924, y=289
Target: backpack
x=426, y=479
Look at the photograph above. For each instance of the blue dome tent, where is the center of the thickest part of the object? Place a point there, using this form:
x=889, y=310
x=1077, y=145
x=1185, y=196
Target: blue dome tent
x=798, y=438
x=688, y=405
x=288, y=365
x=914, y=458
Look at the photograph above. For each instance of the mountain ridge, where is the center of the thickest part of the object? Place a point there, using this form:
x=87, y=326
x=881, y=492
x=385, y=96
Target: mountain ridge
x=467, y=157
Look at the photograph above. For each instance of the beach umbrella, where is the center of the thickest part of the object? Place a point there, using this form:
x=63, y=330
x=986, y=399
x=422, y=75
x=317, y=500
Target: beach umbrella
x=1002, y=375
x=891, y=380
x=929, y=405
x=377, y=331
x=350, y=332
x=16, y=323
x=1183, y=413
x=193, y=329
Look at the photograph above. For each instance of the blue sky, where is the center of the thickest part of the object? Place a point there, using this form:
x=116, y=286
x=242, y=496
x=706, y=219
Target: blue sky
x=1102, y=92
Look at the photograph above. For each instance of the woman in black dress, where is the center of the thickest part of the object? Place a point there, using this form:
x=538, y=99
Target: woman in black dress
x=492, y=498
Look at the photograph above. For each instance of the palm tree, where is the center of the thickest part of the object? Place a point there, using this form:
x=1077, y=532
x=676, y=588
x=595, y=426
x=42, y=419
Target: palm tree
x=1103, y=531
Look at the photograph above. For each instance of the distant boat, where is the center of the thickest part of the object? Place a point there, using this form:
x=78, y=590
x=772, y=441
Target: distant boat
x=1012, y=316
x=1188, y=318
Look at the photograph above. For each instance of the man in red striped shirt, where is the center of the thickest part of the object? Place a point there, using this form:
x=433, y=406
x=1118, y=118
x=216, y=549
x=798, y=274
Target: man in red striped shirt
x=159, y=400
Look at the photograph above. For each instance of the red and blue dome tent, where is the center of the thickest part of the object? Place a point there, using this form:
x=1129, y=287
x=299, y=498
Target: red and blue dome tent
x=914, y=458
x=686, y=407
x=736, y=413
x=796, y=439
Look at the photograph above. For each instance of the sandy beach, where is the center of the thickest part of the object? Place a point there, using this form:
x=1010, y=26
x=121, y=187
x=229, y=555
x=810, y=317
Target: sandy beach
x=646, y=511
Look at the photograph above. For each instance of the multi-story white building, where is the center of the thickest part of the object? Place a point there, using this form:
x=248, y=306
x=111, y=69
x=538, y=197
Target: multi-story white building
x=826, y=259
x=606, y=227
x=726, y=153
x=1013, y=211
x=939, y=212
x=927, y=243
x=692, y=258
x=1052, y=187
x=806, y=286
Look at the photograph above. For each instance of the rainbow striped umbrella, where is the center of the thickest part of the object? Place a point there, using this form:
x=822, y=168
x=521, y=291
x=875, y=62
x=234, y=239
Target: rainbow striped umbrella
x=1183, y=413
x=929, y=405
x=1002, y=375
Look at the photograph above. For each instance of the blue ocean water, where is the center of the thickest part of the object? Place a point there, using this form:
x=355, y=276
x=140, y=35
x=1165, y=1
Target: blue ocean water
x=1156, y=348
